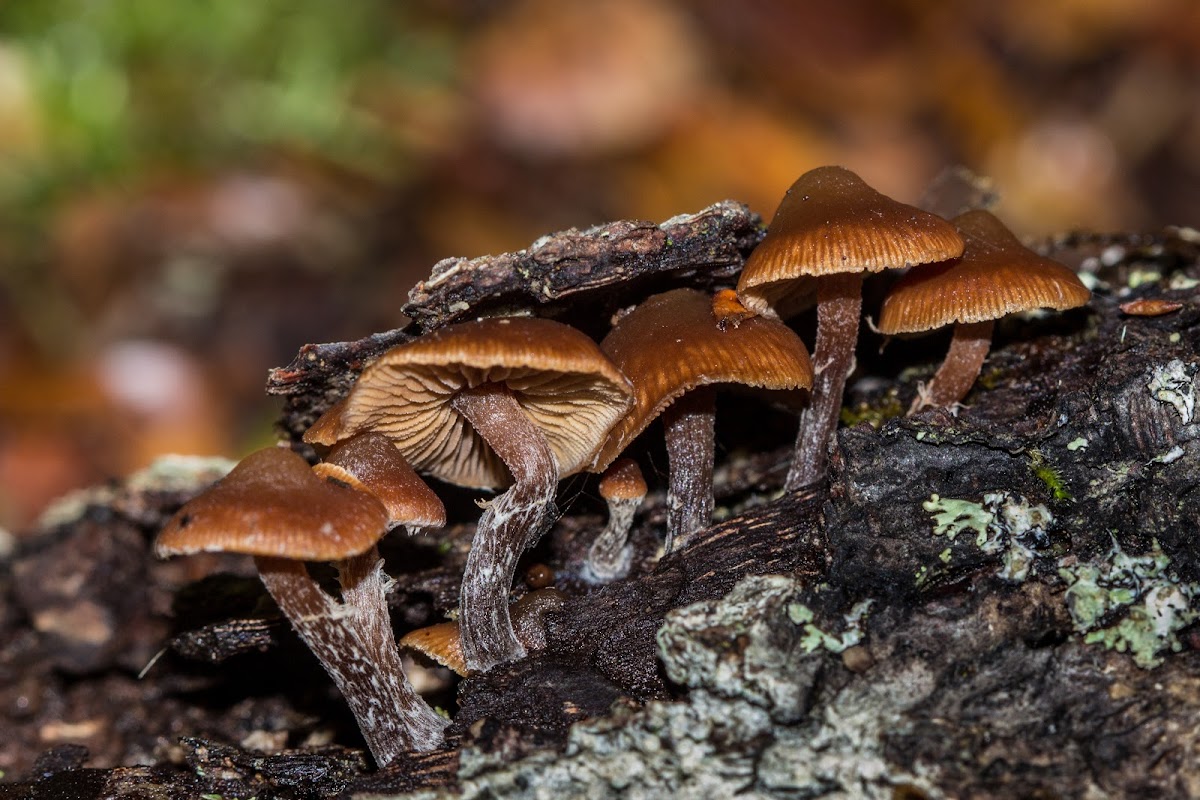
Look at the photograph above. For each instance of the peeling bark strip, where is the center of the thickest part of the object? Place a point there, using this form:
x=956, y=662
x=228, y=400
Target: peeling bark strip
x=321, y=374
x=512, y=522
x=710, y=244
x=361, y=656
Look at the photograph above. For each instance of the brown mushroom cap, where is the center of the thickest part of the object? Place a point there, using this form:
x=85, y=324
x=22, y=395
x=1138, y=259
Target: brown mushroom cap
x=623, y=481
x=271, y=504
x=830, y=221
x=371, y=462
x=672, y=343
x=995, y=276
x=441, y=642
x=567, y=387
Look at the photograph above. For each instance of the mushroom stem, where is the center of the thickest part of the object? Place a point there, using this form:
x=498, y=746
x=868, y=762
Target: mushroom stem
x=623, y=489
x=688, y=425
x=512, y=522
x=839, y=303
x=968, y=348
x=359, y=654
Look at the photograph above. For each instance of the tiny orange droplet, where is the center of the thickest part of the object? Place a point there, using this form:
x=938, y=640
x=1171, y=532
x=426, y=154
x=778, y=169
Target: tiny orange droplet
x=1148, y=307
x=727, y=309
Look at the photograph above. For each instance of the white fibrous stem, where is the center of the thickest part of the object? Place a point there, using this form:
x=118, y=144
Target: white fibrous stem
x=968, y=348
x=688, y=426
x=839, y=303
x=354, y=642
x=610, y=555
x=512, y=522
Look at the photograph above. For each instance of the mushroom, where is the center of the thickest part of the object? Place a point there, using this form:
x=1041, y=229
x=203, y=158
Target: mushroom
x=443, y=642
x=487, y=404
x=673, y=348
x=623, y=489
x=995, y=276
x=830, y=229
x=273, y=506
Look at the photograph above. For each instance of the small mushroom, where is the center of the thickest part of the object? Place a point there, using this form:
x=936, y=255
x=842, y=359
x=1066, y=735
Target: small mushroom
x=996, y=276
x=673, y=349
x=623, y=489
x=273, y=506
x=487, y=404
x=829, y=231
x=442, y=642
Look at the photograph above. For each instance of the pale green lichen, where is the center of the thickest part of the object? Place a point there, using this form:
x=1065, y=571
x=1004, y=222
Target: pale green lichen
x=1140, y=277
x=952, y=517
x=1181, y=282
x=816, y=639
x=1077, y=444
x=1172, y=385
x=1154, y=605
x=745, y=728
x=1001, y=524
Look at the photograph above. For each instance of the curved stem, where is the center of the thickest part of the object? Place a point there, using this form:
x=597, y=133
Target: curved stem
x=968, y=348
x=512, y=522
x=688, y=425
x=610, y=555
x=839, y=303
x=353, y=641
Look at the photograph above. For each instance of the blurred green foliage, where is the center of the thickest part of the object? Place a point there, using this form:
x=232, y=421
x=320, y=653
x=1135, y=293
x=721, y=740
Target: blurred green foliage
x=129, y=84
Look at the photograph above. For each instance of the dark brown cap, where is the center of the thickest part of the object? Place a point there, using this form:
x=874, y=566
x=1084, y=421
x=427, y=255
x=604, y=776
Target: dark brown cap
x=830, y=221
x=995, y=276
x=371, y=462
x=567, y=387
x=271, y=504
x=623, y=481
x=672, y=343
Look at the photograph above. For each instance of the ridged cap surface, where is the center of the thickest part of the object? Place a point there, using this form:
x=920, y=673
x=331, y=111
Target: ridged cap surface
x=995, y=276
x=672, y=343
x=830, y=221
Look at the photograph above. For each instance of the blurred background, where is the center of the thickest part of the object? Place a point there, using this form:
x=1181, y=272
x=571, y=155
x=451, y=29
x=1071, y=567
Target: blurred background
x=191, y=191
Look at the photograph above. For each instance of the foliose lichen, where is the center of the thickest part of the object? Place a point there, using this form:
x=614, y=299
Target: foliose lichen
x=1152, y=602
x=1171, y=384
x=1009, y=526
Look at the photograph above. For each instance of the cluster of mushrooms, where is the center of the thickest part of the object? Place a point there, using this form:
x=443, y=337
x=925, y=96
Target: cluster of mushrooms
x=523, y=402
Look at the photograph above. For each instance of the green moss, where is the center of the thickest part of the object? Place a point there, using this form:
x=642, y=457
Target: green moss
x=875, y=414
x=990, y=379
x=1049, y=475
